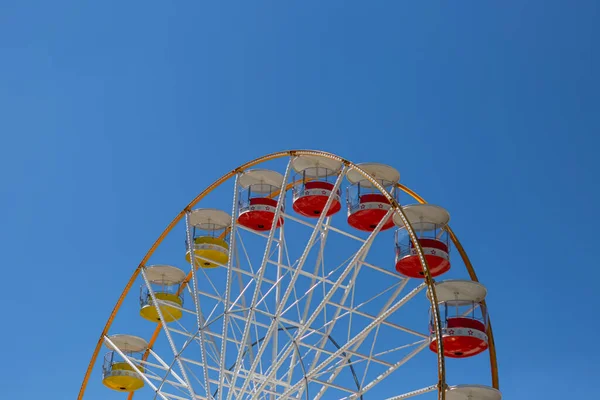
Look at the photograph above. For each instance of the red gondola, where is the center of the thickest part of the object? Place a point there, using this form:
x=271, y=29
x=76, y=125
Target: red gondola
x=367, y=205
x=317, y=176
x=464, y=318
x=260, y=190
x=429, y=223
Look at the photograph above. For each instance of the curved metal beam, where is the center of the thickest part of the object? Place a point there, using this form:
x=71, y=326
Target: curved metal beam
x=473, y=275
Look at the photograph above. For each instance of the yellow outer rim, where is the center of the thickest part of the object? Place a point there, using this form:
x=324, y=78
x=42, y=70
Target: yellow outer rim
x=397, y=208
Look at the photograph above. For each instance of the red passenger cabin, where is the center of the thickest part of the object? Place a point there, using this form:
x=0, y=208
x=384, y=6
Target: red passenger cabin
x=259, y=194
x=317, y=176
x=428, y=222
x=463, y=317
x=367, y=205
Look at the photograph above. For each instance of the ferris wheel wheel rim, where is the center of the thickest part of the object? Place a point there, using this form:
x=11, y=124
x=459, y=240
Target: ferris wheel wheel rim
x=209, y=189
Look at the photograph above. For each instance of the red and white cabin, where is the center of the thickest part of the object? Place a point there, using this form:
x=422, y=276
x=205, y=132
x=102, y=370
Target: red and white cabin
x=464, y=318
x=429, y=223
x=260, y=190
x=472, y=392
x=318, y=176
x=367, y=206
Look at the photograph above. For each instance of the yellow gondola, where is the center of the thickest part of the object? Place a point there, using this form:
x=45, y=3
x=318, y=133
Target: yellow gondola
x=211, y=247
x=165, y=281
x=118, y=374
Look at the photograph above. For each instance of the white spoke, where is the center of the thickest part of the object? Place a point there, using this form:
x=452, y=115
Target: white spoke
x=228, y=287
x=164, y=324
x=359, y=260
x=383, y=309
x=196, y=298
x=280, y=250
x=414, y=393
x=352, y=265
x=318, y=264
x=362, y=382
x=133, y=366
x=390, y=370
x=364, y=332
x=293, y=279
x=166, y=367
x=258, y=283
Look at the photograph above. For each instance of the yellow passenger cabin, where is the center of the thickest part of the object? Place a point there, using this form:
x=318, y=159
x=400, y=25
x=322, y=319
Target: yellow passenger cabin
x=122, y=369
x=160, y=297
x=210, y=236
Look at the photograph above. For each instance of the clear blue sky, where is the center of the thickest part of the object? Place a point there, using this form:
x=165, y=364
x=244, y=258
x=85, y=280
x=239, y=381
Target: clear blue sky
x=115, y=114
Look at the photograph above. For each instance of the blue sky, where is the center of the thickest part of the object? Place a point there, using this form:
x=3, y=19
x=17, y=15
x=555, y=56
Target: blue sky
x=116, y=114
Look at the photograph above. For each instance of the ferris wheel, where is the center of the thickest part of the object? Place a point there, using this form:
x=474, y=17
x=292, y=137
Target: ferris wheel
x=310, y=281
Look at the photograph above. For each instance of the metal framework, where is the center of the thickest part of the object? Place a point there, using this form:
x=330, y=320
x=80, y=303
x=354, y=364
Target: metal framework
x=261, y=318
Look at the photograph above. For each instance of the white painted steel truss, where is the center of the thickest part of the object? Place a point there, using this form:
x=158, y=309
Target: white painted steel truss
x=297, y=312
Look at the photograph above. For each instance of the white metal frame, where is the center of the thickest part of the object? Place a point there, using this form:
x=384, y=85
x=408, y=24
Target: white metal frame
x=256, y=373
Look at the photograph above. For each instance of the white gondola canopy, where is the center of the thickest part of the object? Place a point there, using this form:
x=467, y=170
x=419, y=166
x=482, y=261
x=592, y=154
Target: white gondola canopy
x=261, y=180
x=209, y=219
x=459, y=292
x=423, y=216
x=164, y=275
x=472, y=392
x=127, y=343
x=316, y=166
x=384, y=174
